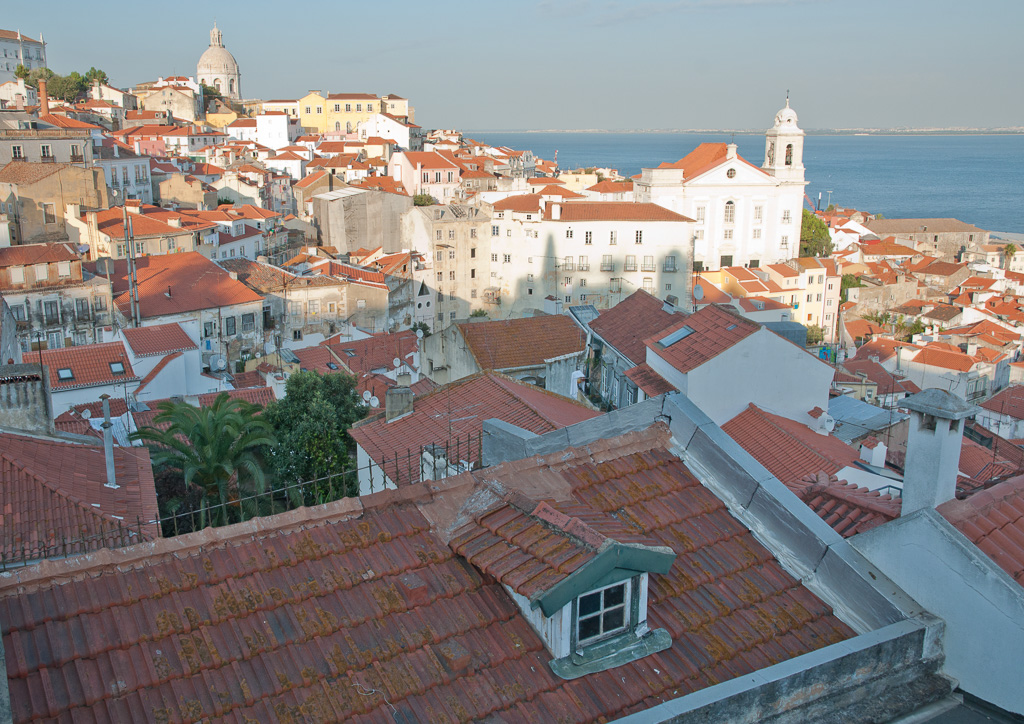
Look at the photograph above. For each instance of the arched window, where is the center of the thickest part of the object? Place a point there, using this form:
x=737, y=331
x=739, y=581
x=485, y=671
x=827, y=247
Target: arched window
x=789, y=154
x=216, y=83
x=337, y=125
x=231, y=85
x=348, y=127
x=730, y=212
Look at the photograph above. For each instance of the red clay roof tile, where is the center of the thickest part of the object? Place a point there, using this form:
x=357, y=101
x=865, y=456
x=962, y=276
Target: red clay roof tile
x=158, y=339
x=626, y=325
x=993, y=520
x=524, y=342
x=88, y=365
x=714, y=330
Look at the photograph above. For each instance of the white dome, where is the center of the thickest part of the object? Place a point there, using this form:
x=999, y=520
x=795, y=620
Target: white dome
x=786, y=116
x=217, y=61
x=218, y=68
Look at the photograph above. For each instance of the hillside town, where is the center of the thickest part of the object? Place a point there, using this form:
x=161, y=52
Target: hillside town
x=312, y=413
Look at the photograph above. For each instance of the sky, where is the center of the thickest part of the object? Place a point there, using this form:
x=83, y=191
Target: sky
x=583, y=64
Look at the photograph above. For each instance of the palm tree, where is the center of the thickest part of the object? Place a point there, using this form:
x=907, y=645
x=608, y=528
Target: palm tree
x=1008, y=252
x=215, y=448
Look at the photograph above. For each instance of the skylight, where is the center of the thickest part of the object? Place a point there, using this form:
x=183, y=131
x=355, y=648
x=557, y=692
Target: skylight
x=332, y=366
x=65, y=373
x=117, y=368
x=670, y=339
x=350, y=352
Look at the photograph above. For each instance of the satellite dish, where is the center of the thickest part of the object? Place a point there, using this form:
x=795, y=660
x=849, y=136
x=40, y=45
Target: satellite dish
x=258, y=355
x=219, y=363
x=396, y=362
x=367, y=395
x=86, y=414
x=698, y=292
x=374, y=402
x=419, y=334
x=105, y=265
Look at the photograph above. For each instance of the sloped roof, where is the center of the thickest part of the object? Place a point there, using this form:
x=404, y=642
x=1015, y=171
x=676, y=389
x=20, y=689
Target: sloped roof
x=863, y=329
x=158, y=339
x=920, y=226
x=523, y=204
x=611, y=187
x=847, y=508
x=888, y=383
x=703, y=158
x=637, y=317
x=27, y=254
x=1009, y=401
x=194, y=282
x=935, y=356
x=376, y=352
x=613, y=211
x=993, y=520
x=54, y=500
x=453, y=416
x=714, y=330
x=90, y=365
x=524, y=342
x=789, y=450
x=644, y=377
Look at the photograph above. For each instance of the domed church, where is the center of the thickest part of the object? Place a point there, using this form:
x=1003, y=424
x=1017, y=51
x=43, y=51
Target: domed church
x=218, y=69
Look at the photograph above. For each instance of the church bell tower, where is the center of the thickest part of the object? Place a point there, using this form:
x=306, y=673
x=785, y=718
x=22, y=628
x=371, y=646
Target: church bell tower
x=784, y=147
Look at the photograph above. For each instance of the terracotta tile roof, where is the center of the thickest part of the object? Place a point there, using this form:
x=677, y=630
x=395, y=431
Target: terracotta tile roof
x=993, y=520
x=847, y=508
x=195, y=283
x=644, y=377
x=934, y=356
x=710, y=294
x=90, y=365
x=613, y=211
x=54, y=492
x=309, y=180
x=26, y=172
x=981, y=464
x=65, y=122
x=784, y=270
x=158, y=339
x=757, y=304
x=245, y=380
x=703, y=158
x=384, y=183
x=262, y=396
x=525, y=342
x=886, y=247
x=318, y=359
x=888, y=383
x=626, y=325
x=453, y=416
x=375, y=353
x=863, y=329
x=543, y=181
x=942, y=268
x=916, y=226
x=1009, y=401
x=943, y=312
x=790, y=451
x=612, y=187
x=559, y=191
x=714, y=330
x=28, y=254
x=524, y=204
x=429, y=159
x=881, y=347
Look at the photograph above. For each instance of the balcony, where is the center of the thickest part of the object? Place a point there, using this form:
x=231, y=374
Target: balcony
x=670, y=268
x=47, y=159
x=649, y=267
x=77, y=158
x=583, y=267
x=568, y=266
x=629, y=266
x=608, y=266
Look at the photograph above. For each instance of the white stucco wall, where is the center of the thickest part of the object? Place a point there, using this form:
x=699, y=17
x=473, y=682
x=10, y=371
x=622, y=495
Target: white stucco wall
x=983, y=607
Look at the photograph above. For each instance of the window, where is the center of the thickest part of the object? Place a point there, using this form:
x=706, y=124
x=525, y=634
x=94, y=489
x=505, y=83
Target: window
x=639, y=237
x=314, y=306
x=472, y=235
x=508, y=232
x=337, y=107
x=649, y=285
x=757, y=233
x=319, y=110
x=699, y=235
x=307, y=109
x=494, y=257
x=472, y=293
x=726, y=260
x=359, y=107
x=451, y=254
x=472, y=273
x=438, y=234
x=17, y=275
x=754, y=263
x=124, y=175
x=49, y=213
x=819, y=297
x=17, y=152
x=369, y=108
x=588, y=237
x=437, y=177
x=612, y=238
x=568, y=281
x=40, y=272
x=529, y=277
x=451, y=316
x=45, y=151
x=698, y=266
x=426, y=177
x=451, y=275
x=828, y=302
x=18, y=310
x=670, y=263
x=789, y=154
x=648, y=264
x=731, y=173
x=451, y=176
x=82, y=308
x=786, y=217
x=440, y=276
x=451, y=235
x=758, y=213
x=117, y=368
x=348, y=108
x=730, y=212
x=495, y=231
x=439, y=255
x=65, y=373
x=568, y=264
x=296, y=334
x=701, y=210
x=507, y=258
x=582, y=282
x=727, y=234
x=810, y=297
x=568, y=233
x=229, y=326
x=248, y=322
x=606, y=263
x=630, y=264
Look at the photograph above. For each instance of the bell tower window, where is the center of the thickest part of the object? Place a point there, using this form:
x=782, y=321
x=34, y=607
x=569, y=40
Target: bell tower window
x=789, y=154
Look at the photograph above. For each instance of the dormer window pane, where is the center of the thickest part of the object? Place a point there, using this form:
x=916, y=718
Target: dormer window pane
x=602, y=614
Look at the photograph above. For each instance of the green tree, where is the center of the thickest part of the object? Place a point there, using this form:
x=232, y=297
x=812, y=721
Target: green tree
x=67, y=87
x=1008, y=253
x=22, y=72
x=814, y=236
x=95, y=74
x=37, y=74
x=849, y=281
x=311, y=424
x=815, y=335
x=423, y=327
x=215, y=450
x=478, y=313
x=423, y=200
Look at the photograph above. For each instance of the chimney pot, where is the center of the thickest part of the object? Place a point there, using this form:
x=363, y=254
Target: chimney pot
x=397, y=402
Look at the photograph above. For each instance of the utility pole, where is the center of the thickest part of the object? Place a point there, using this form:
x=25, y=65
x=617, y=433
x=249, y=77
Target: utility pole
x=133, y=279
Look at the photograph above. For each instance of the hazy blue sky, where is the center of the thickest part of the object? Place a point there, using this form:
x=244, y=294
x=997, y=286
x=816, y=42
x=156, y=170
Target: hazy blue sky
x=582, y=63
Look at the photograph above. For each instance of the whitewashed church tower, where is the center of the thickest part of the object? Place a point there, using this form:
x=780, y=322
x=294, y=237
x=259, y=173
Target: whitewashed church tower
x=784, y=147
x=218, y=69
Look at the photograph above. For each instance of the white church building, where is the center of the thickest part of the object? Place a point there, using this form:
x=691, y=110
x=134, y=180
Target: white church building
x=743, y=215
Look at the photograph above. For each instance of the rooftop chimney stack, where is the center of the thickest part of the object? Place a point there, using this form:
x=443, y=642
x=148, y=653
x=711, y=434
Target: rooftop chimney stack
x=44, y=101
x=108, y=442
x=933, y=448
x=397, y=402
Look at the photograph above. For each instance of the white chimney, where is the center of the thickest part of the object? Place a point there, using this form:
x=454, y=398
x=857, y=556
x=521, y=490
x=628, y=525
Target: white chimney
x=730, y=151
x=108, y=442
x=872, y=451
x=556, y=211
x=933, y=448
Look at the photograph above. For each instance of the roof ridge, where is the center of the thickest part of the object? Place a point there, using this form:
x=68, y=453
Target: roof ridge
x=767, y=417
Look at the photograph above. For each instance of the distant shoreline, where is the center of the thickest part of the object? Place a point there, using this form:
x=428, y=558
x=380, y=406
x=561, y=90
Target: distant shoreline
x=759, y=132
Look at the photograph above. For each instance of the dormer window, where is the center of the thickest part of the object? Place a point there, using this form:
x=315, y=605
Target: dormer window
x=602, y=614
